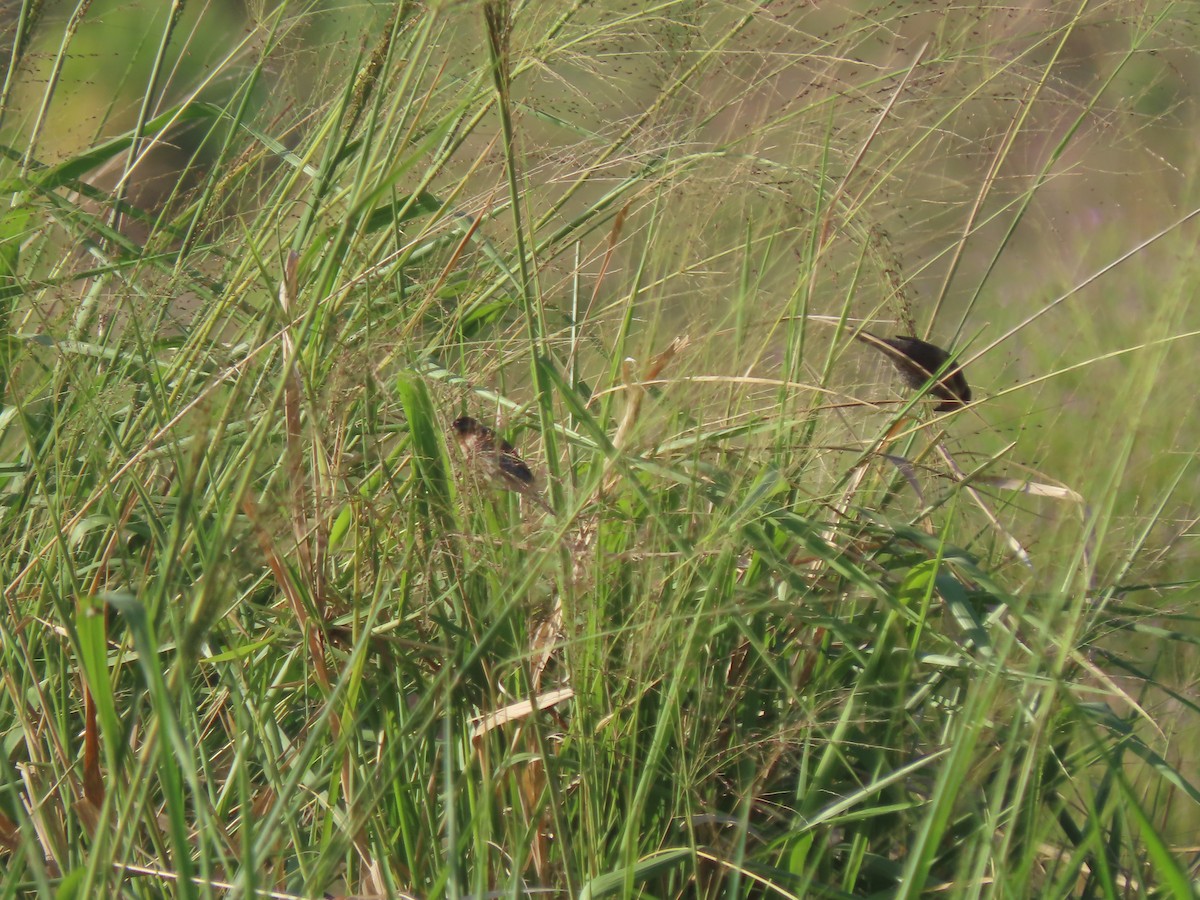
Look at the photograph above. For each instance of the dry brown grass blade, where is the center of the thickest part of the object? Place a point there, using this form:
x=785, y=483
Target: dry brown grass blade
x=532, y=787
x=636, y=387
x=308, y=500
x=614, y=235
x=10, y=834
x=218, y=885
x=1032, y=488
x=452, y=263
x=311, y=543
x=311, y=630
x=292, y=392
x=531, y=783
x=514, y=712
x=635, y=392
x=93, y=781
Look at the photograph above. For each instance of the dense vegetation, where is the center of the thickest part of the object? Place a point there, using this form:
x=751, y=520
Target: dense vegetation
x=790, y=631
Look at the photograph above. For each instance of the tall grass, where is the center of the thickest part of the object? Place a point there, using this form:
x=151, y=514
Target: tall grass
x=789, y=633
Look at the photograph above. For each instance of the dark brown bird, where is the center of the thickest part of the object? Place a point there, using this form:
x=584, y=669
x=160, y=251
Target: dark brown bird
x=496, y=459
x=919, y=361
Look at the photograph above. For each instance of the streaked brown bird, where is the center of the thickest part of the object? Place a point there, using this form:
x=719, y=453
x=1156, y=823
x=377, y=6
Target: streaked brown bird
x=918, y=362
x=496, y=459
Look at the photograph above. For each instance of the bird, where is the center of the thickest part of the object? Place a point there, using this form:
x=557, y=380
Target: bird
x=496, y=459
x=919, y=361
